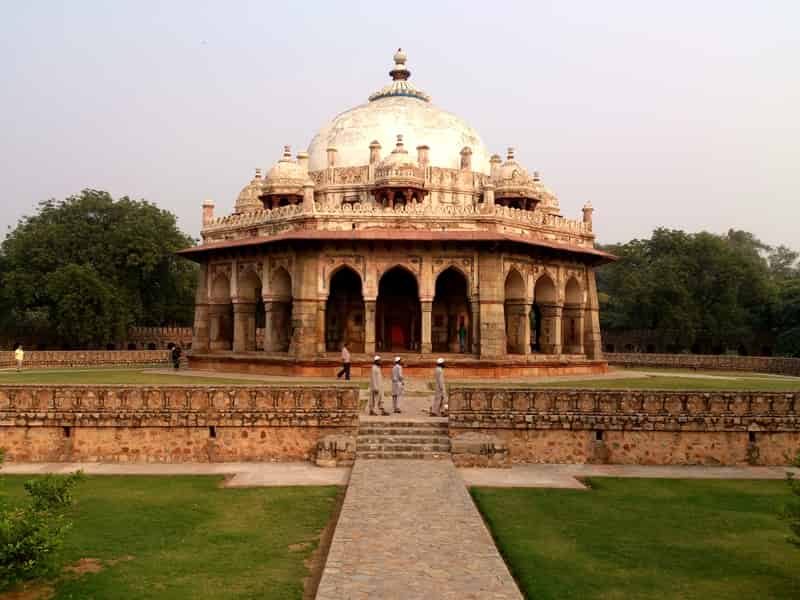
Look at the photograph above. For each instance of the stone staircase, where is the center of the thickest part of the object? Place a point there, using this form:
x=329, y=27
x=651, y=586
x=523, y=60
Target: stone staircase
x=403, y=439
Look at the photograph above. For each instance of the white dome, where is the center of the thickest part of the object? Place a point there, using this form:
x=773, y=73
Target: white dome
x=397, y=109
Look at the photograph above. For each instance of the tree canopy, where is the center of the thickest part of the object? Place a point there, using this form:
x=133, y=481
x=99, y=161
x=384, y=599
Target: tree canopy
x=82, y=270
x=697, y=291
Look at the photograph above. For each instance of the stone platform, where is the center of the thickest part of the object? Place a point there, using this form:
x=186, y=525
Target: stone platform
x=459, y=366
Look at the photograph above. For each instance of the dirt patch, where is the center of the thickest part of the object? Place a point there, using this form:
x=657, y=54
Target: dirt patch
x=299, y=547
x=114, y=561
x=84, y=565
x=316, y=562
x=36, y=591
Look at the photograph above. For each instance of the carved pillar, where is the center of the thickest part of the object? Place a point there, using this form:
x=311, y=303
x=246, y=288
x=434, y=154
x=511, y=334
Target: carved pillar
x=244, y=326
x=427, y=311
x=592, y=343
x=573, y=329
x=269, y=326
x=475, y=309
x=369, y=326
x=220, y=326
x=308, y=197
x=321, y=346
x=551, y=328
x=200, y=333
x=526, y=336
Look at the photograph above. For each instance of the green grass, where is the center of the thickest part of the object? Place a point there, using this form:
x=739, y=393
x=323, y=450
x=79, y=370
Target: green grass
x=185, y=537
x=677, y=383
x=135, y=376
x=646, y=538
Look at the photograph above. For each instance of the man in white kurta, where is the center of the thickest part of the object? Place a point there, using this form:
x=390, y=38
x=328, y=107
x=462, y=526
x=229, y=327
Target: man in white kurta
x=397, y=384
x=440, y=397
x=376, y=387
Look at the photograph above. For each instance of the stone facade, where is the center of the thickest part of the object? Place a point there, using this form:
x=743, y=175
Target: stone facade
x=86, y=358
x=633, y=427
x=724, y=362
x=117, y=423
x=442, y=250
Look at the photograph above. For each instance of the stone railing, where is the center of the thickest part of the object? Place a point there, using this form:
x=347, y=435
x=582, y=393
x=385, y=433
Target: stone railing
x=647, y=426
x=424, y=209
x=86, y=358
x=171, y=423
x=758, y=364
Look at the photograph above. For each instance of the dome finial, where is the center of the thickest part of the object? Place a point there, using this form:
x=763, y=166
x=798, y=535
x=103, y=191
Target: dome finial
x=400, y=72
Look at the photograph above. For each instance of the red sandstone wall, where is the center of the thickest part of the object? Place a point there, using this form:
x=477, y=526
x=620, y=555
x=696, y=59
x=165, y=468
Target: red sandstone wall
x=635, y=427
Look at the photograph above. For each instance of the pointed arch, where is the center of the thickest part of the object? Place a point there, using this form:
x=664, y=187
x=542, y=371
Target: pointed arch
x=278, y=308
x=397, y=310
x=450, y=331
x=344, y=311
x=516, y=313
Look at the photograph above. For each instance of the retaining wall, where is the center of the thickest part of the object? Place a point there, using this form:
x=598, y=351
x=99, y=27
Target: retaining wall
x=86, y=358
x=632, y=427
x=758, y=364
x=120, y=423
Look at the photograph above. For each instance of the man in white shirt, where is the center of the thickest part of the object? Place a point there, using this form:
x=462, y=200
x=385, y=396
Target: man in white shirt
x=19, y=356
x=440, y=397
x=345, y=364
x=376, y=387
x=397, y=384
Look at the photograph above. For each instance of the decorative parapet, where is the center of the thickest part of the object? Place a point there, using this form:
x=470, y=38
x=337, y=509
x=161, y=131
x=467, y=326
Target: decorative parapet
x=87, y=358
x=256, y=217
x=177, y=406
x=627, y=410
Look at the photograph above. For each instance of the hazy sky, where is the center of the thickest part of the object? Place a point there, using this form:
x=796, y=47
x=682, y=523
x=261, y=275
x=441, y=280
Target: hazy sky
x=676, y=114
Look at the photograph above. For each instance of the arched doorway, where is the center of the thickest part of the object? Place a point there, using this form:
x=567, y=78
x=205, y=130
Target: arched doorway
x=244, y=311
x=547, y=315
x=397, y=312
x=450, y=331
x=516, y=313
x=278, y=312
x=344, y=312
x=220, y=314
x=572, y=319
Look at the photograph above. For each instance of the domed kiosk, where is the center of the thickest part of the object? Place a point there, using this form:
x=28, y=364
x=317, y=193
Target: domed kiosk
x=397, y=232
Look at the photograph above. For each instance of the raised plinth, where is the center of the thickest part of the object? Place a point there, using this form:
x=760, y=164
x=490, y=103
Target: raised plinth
x=458, y=365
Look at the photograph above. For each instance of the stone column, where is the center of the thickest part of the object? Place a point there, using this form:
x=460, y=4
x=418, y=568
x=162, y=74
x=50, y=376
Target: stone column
x=369, y=326
x=474, y=306
x=269, y=326
x=574, y=312
x=551, y=328
x=321, y=343
x=219, y=326
x=244, y=326
x=304, y=328
x=592, y=344
x=427, y=311
x=200, y=333
x=526, y=337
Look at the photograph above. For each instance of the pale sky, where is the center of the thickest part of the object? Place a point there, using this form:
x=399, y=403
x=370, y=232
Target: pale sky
x=676, y=114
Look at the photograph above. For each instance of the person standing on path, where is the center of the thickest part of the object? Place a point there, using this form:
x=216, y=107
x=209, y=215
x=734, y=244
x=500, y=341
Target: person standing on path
x=345, y=364
x=462, y=337
x=397, y=384
x=376, y=387
x=19, y=355
x=440, y=397
x=176, y=356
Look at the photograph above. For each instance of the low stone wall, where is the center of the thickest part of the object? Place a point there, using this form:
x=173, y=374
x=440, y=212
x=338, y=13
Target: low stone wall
x=36, y=359
x=632, y=427
x=120, y=423
x=758, y=364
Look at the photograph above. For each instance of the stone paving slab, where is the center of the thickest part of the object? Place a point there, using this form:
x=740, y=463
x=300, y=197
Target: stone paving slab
x=564, y=476
x=409, y=530
x=242, y=474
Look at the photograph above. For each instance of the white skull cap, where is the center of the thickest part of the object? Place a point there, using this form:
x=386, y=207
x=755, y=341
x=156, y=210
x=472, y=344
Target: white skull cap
x=439, y=361
x=396, y=359
x=376, y=358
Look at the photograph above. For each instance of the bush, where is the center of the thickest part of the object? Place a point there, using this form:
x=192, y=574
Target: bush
x=31, y=534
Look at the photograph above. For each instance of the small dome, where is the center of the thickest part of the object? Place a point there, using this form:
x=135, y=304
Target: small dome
x=398, y=156
x=248, y=199
x=286, y=169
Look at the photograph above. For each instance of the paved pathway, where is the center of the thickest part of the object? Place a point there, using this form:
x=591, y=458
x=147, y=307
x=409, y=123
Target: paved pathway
x=408, y=530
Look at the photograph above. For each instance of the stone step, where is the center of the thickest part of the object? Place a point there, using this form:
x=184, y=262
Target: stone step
x=403, y=439
x=406, y=455
x=391, y=431
x=424, y=448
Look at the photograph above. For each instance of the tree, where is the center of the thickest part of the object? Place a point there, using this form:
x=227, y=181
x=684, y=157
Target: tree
x=82, y=270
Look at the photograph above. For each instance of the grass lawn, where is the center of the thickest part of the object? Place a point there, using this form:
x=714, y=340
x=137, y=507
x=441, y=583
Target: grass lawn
x=185, y=537
x=136, y=376
x=677, y=382
x=646, y=538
